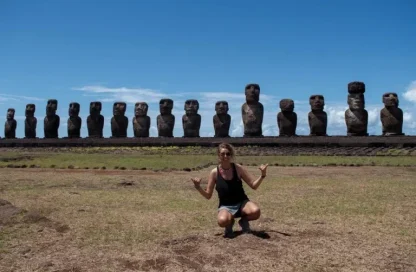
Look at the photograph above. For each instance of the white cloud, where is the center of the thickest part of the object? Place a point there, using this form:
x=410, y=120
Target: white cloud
x=17, y=98
x=336, y=116
x=407, y=117
x=128, y=95
x=410, y=94
x=373, y=116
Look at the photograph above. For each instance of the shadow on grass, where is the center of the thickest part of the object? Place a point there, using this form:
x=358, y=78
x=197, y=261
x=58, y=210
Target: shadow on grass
x=263, y=234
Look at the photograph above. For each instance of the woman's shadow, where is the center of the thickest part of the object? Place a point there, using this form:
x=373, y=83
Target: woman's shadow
x=258, y=233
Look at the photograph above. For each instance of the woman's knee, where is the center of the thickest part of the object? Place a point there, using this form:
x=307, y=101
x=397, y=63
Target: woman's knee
x=253, y=213
x=224, y=220
x=256, y=213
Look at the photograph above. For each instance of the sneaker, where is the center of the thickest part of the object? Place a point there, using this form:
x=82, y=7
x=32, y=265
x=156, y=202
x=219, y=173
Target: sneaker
x=245, y=225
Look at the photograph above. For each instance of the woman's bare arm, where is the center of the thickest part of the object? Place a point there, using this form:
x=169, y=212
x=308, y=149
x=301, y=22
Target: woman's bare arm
x=207, y=193
x=251, y=181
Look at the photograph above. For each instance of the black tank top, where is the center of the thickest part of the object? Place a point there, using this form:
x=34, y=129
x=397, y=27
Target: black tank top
x=230, y=192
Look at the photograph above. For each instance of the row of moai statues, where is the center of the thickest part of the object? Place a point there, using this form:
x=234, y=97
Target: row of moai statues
x=356, y=117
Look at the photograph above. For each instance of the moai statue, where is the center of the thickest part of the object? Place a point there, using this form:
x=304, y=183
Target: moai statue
x=119, y=122
x=222, y=120
x=356, y=117
x=317, y=117
x=287, y=119
x=141, y=122
x=31, y=121
x=391, y=115
x=52, y=120
x=191, y=120
x=74, y=121
x=165, y=120
x=252, y=112
x=95, y=121
x=10, y=125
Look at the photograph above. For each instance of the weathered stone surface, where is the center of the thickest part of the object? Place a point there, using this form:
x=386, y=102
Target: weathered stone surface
x=119, y=122
x=74, y=121
x=356, y=87
x=95, y=121
x=52, y=120
x=10, y=125
x=31, y=121
x=287, y=119
x=141, y=122
x=317, y=117
x=252, y=112
x=221, y=120
x=391, y=115
x=356, y=117
x=191, y=120
x=165, y=120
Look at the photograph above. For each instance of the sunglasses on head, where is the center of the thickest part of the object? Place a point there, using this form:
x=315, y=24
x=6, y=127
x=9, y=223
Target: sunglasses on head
x=225, y=153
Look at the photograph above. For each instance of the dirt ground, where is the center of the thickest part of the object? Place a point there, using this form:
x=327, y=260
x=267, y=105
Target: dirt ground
x=313, y=219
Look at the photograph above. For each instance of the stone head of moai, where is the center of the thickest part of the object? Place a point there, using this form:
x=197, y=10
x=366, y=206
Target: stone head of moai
x=51, y=107
x=191, y=106
x=30, y=110
x=221, y=107
x=165, y=106
x=287, y=105
x=10, y=114
x=140, y=109
x=74, y=109
x=390, y=100
x=252, y=92
x=356, y=92
x=95, y=108
x=119, y=108
x=317, y=102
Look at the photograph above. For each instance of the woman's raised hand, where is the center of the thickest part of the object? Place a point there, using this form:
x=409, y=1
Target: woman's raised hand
x=263, y=169
x=196, y=181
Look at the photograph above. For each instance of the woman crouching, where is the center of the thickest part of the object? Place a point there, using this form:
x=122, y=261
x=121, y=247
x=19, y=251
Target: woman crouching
x=233, y=202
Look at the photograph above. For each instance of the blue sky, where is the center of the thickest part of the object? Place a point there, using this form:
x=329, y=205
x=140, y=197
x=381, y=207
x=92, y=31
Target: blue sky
x=134, y=51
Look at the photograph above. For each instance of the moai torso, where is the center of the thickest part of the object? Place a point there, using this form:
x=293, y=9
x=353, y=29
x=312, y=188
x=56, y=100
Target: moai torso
x=391, y=115
x=52, y=120
x=356, y=117
x=74, y=121
x=10, y=125
x=221, y=120
x=95, y=121
x=119, y=122
x=252, y=112
x=141, y=122
x=191, y=120
x=287, y=119
x=30, y=121
x=165, y=120
x=317, y=117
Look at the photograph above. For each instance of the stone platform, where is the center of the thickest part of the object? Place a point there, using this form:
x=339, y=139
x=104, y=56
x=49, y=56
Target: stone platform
x=299, y=141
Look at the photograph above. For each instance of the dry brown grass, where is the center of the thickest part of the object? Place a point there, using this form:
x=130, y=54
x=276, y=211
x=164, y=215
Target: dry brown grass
x=313, y=219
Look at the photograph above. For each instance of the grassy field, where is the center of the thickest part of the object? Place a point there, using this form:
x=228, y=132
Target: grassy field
x=313, y=218
x=160, y=160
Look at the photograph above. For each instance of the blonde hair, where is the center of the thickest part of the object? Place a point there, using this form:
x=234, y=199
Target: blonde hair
x=227, y=146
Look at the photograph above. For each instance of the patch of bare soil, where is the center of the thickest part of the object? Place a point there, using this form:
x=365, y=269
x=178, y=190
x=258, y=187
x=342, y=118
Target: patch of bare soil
x=12, y=215
x=7, y=212
x=271, y=250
